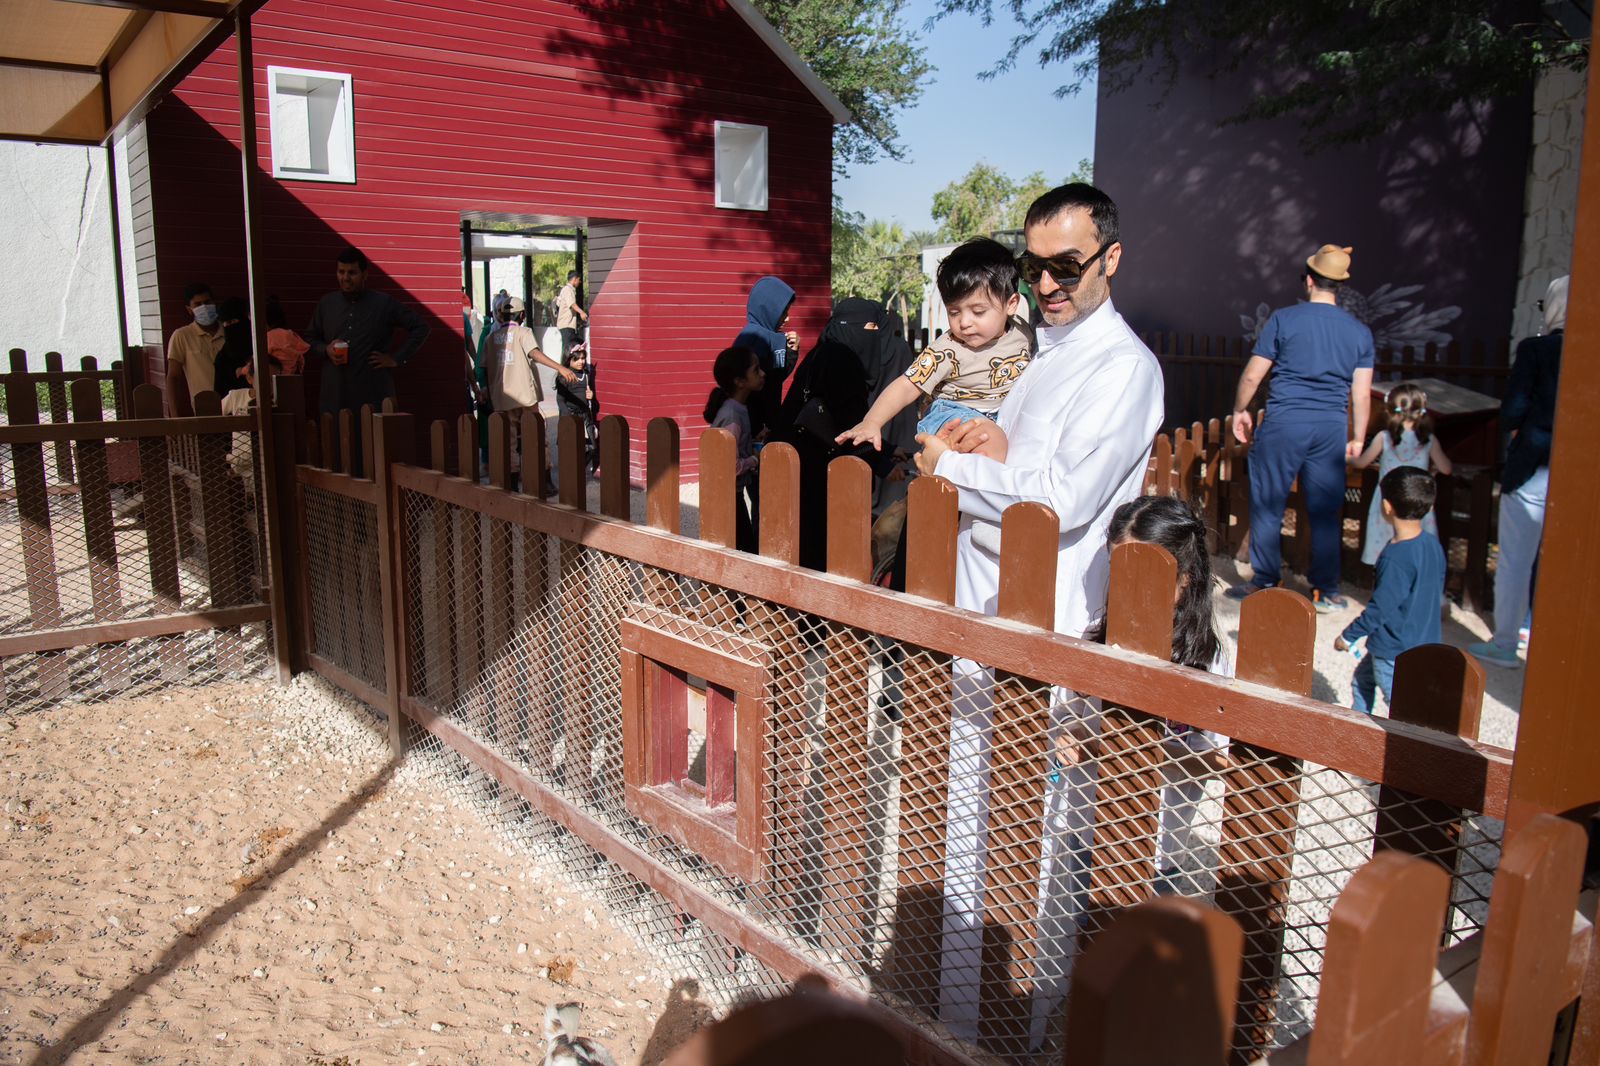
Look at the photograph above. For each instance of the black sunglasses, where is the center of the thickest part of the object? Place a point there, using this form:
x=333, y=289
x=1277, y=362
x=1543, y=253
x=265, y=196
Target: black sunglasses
x=1064, y=268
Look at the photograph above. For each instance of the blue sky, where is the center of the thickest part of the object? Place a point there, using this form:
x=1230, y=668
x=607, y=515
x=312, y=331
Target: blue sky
x=1011, y=122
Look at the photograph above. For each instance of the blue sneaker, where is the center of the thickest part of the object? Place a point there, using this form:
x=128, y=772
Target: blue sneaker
x=1239, y=592
x=1494, y=654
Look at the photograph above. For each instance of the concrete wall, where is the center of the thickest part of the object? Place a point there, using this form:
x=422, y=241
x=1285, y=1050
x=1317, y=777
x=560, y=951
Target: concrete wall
x=1552, y=193
x=57, y=289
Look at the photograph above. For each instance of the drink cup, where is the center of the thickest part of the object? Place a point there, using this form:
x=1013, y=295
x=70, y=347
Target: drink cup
x=339, y=352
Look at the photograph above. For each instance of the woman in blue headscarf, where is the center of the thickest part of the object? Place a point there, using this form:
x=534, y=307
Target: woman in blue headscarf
x=766, y=316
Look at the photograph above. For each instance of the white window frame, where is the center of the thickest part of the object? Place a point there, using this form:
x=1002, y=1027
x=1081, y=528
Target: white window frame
x=346, y=129
x=716, y=151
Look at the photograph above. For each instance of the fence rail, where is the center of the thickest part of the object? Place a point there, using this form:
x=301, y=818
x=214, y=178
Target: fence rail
x=779, y=754
x=111, y=579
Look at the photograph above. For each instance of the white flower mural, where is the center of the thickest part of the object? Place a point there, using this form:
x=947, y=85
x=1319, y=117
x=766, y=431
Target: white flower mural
x=1395, y=320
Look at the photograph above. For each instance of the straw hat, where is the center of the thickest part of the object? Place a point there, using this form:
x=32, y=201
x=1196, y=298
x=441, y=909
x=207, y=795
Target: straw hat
x=1332, y=262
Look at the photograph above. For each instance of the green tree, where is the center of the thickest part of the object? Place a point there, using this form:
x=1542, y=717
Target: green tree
x=985, y=201
x=877, y=260
x=864, y=52
x=1346, y=72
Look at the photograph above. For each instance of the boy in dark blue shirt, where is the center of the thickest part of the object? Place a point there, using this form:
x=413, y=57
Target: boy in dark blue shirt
x=1404, y=610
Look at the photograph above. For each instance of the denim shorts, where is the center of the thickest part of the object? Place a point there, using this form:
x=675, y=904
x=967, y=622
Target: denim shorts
x=943, y=411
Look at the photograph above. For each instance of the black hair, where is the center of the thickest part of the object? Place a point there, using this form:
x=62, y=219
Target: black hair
x=234, y=307
x=731, y=365
x=980, y=263
x=572, y=274
x=1409, y=490
x=1102, y=209
x=195, y=288
x=352, y=254
x=1321, y=283
x=1173, y=524
x=272, y=311
x=1408, y=401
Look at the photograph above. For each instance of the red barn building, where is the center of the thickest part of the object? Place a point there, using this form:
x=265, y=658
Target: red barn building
x=386, y=125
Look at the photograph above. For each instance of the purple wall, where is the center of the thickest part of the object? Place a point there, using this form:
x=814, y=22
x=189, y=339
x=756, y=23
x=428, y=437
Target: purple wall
x=1218, y=221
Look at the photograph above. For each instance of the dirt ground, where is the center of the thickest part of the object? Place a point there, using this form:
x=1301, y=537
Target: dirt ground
x=235, y=874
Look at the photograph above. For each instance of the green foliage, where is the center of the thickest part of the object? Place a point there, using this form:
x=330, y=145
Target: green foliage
x=986, y=201
x=1345, y=71
x=877, y=260
x=862, y=51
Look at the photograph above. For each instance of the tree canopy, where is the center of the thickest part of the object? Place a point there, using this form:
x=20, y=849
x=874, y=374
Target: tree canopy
x=878, y=260
x=985, y=200
x=1347, y=70
x=864, y=52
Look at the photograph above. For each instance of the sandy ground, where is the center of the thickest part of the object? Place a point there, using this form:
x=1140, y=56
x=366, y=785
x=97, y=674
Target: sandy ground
x=236, y=874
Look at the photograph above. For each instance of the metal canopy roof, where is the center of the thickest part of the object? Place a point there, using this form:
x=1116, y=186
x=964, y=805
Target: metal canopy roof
x=76, y=71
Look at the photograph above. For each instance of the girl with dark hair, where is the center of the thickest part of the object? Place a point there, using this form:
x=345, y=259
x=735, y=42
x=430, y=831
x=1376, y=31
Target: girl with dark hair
x=1407, y=441
x=233, y=362
x=1175, y=526
x=738, y=375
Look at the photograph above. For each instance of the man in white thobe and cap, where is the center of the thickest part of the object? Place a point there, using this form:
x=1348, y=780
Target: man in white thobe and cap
x=1074, y=434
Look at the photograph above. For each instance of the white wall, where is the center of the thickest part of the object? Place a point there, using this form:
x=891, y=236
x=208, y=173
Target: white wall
x=1550, y=208
x=57, y=289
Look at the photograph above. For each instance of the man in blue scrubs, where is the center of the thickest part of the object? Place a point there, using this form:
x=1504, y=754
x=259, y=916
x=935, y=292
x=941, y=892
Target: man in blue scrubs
x=1321, y=359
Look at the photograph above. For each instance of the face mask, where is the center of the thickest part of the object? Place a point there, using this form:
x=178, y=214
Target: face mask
x=206, y=315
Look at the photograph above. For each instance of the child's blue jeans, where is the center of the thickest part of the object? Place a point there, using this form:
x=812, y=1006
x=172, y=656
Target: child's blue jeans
x=1372, y=673
x=943, y=411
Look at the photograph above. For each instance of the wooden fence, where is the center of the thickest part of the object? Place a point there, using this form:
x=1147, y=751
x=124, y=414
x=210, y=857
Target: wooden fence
x=557, y=651
x=1160, y=987
x=129, y=547
x=1204, y=463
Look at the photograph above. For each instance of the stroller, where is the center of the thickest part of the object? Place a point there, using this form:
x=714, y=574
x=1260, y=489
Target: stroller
x=581, y=398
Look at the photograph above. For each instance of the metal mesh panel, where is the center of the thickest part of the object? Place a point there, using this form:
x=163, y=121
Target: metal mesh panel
x=947, y=841
x=346, y=591
x=91, y=553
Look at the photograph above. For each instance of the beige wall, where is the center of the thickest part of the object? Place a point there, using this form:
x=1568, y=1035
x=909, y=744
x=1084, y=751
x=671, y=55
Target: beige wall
x=1552, y=193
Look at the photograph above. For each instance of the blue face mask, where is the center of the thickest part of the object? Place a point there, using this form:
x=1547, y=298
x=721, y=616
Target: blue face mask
x=206, y=315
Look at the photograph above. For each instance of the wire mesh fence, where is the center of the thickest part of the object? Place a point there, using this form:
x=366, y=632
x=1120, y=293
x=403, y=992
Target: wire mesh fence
x=945, y=840
x=345, y=602
x=82, y=559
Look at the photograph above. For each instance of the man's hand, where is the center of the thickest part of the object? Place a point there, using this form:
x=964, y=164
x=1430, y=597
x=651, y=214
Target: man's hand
x=861, y=433
x=1340, y=645
x=976, y=436
x=567, y=375
x=1243, y=424
x=932, y=448
x=1353, y=450
x=379, y=359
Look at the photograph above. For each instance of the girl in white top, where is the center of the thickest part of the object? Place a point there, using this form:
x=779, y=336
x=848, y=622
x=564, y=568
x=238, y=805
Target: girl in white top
x=1407, y=441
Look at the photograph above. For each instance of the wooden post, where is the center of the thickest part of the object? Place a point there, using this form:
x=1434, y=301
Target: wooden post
x=1377, y=972
x=1019, y=765
x=535, y=454
x=500, y=427
x=56, y=391
x=438, y=618
x=1260, y=809
x=718, y=488
x=1173, y=952
x=290, y=534
x=469, y=588
x=38, y=541
x=1128, y=788
x=932, y=519
x=392, y=439
x=847, y=826
x=614, y=487
x=661, y=504
x=155, y=479
x=1528, y=971
x=572, y=460
x=779, y=535
x=99, y=532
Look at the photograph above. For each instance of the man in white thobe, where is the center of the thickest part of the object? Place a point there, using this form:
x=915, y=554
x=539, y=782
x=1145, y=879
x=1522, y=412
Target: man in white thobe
x=1074, y=434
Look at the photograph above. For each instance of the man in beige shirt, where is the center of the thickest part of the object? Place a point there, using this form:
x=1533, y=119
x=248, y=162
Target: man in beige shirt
x=568, y=312
x=192, y=350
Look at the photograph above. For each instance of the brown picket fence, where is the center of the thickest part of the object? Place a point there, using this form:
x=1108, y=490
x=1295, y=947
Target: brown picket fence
x=1204, y=463
x=753, y=762
x=130, y=550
